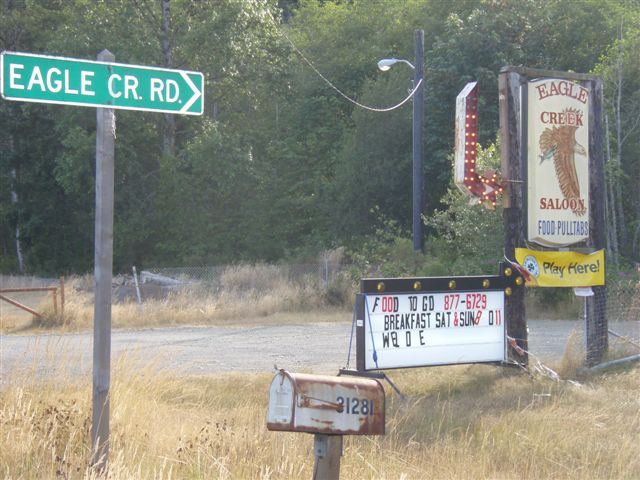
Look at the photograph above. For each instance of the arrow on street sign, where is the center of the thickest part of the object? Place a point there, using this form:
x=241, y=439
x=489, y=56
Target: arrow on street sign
x=43, y=79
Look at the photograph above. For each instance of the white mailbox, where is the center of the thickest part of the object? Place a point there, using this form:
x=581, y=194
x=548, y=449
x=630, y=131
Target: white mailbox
x=325, y=404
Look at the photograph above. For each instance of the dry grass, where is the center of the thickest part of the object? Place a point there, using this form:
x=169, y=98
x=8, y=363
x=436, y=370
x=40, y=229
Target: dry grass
x=195, y=307
x=13, y=318
x=457, y=422
x=246, y=295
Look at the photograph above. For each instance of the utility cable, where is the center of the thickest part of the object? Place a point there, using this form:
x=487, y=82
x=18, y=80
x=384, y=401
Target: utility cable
x=344, y=95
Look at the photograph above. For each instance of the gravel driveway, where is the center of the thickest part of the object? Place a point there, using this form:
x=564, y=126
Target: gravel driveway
x=319, y=348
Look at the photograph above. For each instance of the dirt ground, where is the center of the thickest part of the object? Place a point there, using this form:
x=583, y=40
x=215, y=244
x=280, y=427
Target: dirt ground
x=313, y=347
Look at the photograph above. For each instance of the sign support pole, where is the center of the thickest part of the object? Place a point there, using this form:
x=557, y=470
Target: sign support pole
x=596, y=322
x=103, y=266
x=511, y=128
x=361, y=317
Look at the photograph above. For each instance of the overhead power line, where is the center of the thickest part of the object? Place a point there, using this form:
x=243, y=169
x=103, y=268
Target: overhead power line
x=340, y=92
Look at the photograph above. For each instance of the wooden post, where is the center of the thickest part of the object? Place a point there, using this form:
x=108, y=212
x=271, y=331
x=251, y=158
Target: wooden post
x=135, y=281
x=54, y=291
x=596, y=324
x=327, y=450
x=62, y=296
x=513, y=144
x=103, y=265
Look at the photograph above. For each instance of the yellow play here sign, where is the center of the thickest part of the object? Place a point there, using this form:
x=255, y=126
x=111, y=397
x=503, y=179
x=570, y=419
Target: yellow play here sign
x=561, y=269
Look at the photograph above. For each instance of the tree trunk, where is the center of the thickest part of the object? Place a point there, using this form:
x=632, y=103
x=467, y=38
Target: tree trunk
x=14, y=200
x=169, y=135
x=619, y=81
x=612, y=228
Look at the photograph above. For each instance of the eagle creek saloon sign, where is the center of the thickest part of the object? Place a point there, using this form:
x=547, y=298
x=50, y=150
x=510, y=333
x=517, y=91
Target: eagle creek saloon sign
x=558, y=162
x=418, y=322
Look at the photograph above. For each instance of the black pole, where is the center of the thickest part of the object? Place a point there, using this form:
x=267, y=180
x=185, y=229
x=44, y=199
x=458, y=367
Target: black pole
x=360, y=338
x=418, y=104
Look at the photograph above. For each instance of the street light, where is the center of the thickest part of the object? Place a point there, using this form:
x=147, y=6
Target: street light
x=418, y=96
x=386, y=63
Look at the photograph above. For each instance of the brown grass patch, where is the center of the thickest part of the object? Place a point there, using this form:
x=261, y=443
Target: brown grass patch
x=244, y=295
x=456, y=422
x=14, y=318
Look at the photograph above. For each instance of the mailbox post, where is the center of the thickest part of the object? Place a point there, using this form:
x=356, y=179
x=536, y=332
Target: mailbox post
x=329, y=407
x=327, y=450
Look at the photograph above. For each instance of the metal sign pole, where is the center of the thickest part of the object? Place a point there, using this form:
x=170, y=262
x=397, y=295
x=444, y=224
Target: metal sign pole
x=103, y=266
x=360, y=319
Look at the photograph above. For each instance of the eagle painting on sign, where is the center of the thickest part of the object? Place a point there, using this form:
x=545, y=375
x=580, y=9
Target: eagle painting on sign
x=558, y=162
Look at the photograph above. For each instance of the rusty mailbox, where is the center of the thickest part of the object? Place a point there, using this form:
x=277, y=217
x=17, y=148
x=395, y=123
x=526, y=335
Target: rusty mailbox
x=325, y=404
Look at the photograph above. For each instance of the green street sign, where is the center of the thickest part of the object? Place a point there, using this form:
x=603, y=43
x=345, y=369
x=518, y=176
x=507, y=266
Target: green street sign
x=43, y=79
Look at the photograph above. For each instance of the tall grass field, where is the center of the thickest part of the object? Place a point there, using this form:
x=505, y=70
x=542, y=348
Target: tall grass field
x=458, y=422
x=455, y=422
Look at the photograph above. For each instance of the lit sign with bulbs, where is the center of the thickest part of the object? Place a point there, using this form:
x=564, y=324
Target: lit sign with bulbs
x=484, y=187
x=414, y=322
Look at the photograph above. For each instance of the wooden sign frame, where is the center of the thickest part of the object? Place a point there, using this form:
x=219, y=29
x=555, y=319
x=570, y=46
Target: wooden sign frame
x=512, y=83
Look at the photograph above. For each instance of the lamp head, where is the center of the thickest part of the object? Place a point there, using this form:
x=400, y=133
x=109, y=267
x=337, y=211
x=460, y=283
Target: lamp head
x=386, y=63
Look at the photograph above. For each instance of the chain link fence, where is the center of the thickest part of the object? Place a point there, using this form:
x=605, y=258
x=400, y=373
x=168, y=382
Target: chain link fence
x=622, y=294
x=253, y=277
x=622, y=311
x=621, y=303
x=619, y=307
x=623, y=300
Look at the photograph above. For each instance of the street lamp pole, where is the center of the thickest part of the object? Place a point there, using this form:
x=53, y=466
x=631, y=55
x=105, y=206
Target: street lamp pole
x=418, y=112
x=418, y=115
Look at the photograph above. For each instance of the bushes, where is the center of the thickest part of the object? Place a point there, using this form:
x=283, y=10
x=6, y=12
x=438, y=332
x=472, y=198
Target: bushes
x=464, y=238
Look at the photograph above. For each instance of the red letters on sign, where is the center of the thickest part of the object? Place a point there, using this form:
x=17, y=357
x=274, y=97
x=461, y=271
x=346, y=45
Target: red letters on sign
x=390, y=304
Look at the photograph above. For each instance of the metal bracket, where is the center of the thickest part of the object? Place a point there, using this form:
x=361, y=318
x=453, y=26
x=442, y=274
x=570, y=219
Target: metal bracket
x=376, y=375
x=320, y=445
x=358, y=373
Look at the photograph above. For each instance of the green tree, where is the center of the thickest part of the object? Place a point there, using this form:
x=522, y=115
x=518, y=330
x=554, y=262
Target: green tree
x=281, y=164
x=375, y=165
x=620, y=69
